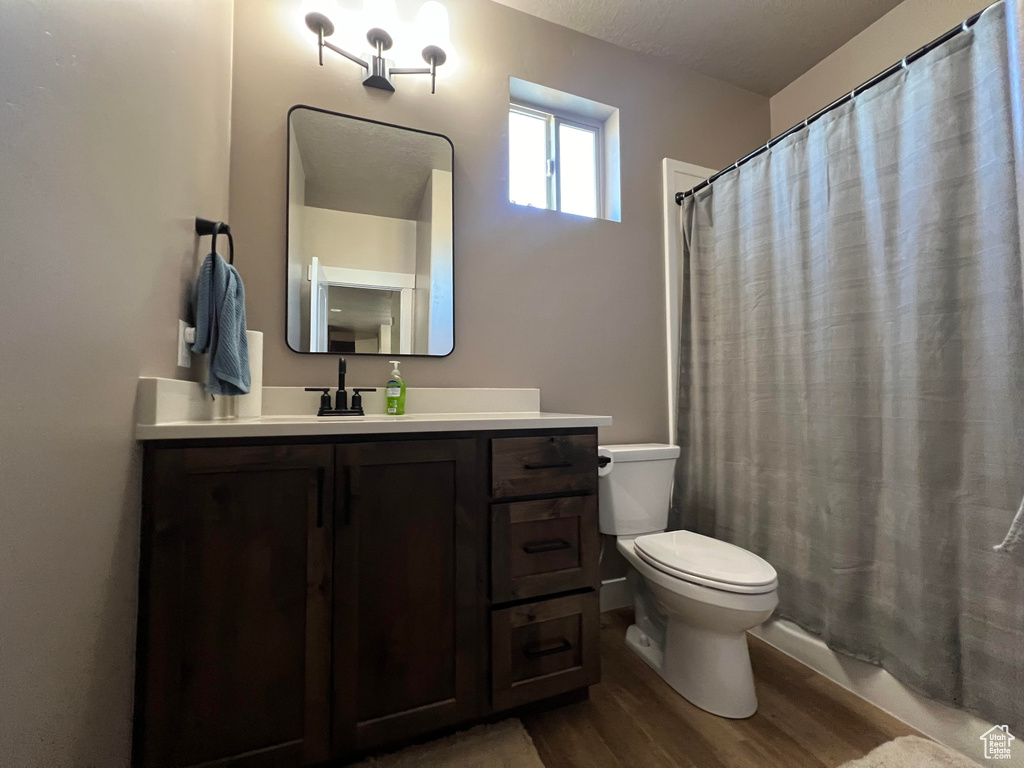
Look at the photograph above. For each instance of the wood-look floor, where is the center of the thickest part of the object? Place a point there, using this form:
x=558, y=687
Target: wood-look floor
x=633, y=718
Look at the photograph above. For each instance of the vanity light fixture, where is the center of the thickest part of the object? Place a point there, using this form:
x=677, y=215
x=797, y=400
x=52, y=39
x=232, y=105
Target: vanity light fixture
x=431, y=22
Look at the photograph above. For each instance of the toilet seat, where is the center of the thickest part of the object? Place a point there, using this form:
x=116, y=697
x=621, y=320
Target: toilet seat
x=705, y=561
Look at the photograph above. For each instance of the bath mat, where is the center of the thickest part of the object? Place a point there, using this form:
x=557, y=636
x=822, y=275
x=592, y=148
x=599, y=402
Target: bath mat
x=911, y=752
x=501, y=745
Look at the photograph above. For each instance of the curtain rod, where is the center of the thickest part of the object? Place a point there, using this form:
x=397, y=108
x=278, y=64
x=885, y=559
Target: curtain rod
x=902, y=64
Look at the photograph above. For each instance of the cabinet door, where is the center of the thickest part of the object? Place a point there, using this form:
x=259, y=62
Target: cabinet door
x=407, y=590
x=234, y=625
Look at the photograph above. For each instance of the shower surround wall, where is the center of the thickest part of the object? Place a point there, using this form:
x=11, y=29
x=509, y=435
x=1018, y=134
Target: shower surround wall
x=542, y=299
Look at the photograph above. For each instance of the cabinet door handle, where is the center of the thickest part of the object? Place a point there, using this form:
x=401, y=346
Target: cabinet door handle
x=553, y=465
x=536, y=547
x=320, y=498
x=538, y=651
x=351, y=493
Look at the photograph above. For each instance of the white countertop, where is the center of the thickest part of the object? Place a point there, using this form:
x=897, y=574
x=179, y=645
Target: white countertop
x=169, y=409
x=304, y=426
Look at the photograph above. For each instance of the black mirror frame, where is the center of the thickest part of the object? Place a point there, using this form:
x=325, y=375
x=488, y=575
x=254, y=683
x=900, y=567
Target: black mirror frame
x=287, y=197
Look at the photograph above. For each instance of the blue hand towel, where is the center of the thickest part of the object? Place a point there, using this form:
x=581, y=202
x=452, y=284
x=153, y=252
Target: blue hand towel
x=219, y=303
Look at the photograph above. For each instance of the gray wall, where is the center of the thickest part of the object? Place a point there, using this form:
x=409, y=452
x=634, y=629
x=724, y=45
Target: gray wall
x=114, y=134
x=114, y=131
x=570, y=305
x=902, y=30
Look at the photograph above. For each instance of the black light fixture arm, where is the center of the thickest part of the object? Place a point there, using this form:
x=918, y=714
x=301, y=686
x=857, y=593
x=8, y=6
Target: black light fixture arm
x=411, y=70
x=324, y=28
x=434, y=56
x=342, y=51
x=431, y=70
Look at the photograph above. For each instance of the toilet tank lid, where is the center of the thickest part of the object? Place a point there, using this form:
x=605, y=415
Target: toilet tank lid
x=639, y=451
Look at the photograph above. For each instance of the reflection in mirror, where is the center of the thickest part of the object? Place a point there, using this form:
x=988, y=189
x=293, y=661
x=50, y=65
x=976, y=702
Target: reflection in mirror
x=370, y=246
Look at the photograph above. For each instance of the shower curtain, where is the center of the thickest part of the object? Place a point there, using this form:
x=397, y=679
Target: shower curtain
x=851, y=401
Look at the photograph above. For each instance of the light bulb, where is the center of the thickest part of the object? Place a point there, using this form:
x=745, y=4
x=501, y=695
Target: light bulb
x=349, y=32
x=432, y=25
x=380, y=14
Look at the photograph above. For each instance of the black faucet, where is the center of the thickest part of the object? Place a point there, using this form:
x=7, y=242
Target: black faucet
x=341, y=396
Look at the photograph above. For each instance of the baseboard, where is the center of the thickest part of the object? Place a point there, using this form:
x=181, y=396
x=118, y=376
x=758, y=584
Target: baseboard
x=947, y=725
x=615, y=594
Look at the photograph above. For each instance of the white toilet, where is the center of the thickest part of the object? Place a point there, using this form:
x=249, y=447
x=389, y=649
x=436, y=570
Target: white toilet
x=695, y=596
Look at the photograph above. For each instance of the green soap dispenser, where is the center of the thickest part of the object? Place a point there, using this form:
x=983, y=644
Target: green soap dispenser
x=395, y=392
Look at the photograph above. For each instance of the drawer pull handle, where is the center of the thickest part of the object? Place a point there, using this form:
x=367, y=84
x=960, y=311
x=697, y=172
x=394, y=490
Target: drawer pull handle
x=536, y=547
x=554, y=465
x=539, y=651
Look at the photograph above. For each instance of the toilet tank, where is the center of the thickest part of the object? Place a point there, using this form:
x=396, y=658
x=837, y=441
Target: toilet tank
x=634, y=489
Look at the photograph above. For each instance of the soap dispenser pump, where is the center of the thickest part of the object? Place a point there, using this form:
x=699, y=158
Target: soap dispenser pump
x=395, y=392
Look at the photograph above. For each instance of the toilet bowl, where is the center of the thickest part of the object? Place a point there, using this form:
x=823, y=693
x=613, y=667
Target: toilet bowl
x=695, y=597
x=703, y=654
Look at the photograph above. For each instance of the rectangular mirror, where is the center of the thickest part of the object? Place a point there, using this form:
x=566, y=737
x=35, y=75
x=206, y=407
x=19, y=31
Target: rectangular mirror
x=370, y=237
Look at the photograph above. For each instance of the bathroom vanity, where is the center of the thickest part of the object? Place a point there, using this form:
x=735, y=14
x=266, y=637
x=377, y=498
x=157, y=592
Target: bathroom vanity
x=312, y=589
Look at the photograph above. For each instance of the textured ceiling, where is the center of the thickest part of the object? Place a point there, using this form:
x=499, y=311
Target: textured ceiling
x=362, y=167
x=759, y=45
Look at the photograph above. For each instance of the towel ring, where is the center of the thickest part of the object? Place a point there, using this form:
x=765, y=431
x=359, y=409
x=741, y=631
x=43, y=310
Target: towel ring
x=214, y=228
x=217, y=229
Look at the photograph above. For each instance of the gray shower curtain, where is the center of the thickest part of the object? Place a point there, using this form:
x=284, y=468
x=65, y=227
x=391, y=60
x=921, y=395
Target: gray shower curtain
x=851, y=401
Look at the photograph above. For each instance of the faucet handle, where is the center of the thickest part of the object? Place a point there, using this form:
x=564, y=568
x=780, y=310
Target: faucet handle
x=357, y=396
x=325, y=398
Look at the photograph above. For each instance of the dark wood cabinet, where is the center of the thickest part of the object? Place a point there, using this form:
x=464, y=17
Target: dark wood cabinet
x=406, y=637
x=314, y=600
x=234, y=634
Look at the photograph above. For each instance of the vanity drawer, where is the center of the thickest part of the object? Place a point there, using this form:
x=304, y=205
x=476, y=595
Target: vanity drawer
x=531, y=466
x=544, y=547
x=545, y=648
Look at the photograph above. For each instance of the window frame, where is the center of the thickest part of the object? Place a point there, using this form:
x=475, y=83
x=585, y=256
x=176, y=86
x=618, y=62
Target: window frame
x=553, y=121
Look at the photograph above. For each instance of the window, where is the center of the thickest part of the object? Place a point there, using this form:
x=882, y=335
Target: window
x=554, y=161
x=563, y=152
